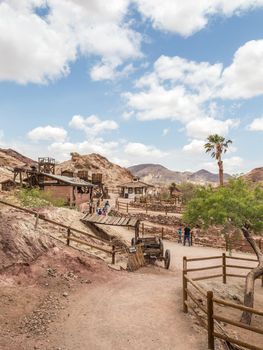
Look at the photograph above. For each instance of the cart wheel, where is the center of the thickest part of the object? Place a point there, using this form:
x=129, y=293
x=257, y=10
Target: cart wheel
x=167, y=259
x=133, y=241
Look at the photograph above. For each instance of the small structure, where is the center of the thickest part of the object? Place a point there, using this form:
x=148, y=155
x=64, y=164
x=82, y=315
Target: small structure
x=176, y=194
x=46, y=165
x=134, y=189
x=73, y=190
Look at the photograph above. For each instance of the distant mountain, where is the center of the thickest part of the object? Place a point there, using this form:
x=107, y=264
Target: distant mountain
x=158, y=174
x=255, y=175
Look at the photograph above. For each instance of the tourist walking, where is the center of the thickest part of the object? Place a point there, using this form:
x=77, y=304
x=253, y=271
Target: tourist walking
x=180, y=234
x=187, y=235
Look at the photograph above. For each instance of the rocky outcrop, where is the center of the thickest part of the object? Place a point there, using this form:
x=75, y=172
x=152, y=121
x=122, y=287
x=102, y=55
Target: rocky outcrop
x=255, y=175
x=112, y=174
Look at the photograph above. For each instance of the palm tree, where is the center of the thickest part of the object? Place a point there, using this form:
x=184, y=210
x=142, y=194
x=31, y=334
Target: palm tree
x=217, y=145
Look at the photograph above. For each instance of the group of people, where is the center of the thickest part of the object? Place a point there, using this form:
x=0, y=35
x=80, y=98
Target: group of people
x=185, y=235
x=104, y=210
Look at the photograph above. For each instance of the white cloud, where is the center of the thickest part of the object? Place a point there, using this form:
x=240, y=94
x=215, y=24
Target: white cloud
x=141, y=150
x=232, y=165
x=92, y=125
x=200, y=128
x=165, y=131
x=244, y=77
x=109, y=71
x=173, y=15
x=194, y=147
x=63, y=149
x=40, y=49
x=256, y=125
x=47, y=133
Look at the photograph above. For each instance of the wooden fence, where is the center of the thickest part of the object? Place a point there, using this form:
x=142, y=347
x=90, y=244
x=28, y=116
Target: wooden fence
x=211, y=319
x=144, y=208
x=70, y=232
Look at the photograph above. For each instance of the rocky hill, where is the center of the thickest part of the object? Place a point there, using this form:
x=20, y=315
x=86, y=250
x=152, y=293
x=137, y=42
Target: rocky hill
x=158, y=174
x=113, y=174
x=10, y=159
x=255, y=175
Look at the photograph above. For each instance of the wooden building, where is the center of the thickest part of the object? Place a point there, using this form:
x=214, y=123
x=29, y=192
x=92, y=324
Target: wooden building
x=134, y=189
x=73, y=190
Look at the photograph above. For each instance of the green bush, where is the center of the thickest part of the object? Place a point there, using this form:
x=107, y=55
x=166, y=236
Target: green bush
x=36, y=198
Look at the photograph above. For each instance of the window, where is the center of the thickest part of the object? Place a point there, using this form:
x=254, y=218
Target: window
x=130, y=190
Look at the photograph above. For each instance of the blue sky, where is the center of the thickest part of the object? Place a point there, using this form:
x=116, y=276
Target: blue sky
x=138, y=81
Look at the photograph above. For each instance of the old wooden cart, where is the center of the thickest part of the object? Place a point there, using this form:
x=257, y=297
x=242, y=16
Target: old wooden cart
x=153, y=249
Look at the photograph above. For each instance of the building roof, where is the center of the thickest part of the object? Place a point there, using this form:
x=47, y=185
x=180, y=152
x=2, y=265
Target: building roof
x=73, y=181
x=135, y=184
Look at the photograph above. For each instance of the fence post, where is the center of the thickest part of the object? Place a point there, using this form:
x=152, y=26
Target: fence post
x=165, y=210
x=113, y=255
x=68, y=236
x=37, y=218
x=224, y=267
x=185, y=307
x=210, y=321
x=162, y=232
x=146, y=209
x=127, y=208
x=142, y=229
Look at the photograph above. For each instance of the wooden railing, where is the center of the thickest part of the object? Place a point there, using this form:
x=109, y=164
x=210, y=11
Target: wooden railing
x=70, y=231
x=210, y=319
x=146, y=207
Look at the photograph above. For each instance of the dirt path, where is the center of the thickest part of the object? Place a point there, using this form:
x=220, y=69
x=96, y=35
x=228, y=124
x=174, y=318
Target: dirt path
x=142, y=310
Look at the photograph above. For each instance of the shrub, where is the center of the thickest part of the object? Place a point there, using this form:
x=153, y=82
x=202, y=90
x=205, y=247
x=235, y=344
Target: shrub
x=36, y=198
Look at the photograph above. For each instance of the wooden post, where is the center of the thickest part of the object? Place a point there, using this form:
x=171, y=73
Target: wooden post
x=224, y=267
x=37, y=218
x=185, y=307
x=113, y=255
x=68, y=236
x=146, y=209
x=142, y=229
x=165, y=210
x=210, y=321
x=162, y=232
x=127, y=209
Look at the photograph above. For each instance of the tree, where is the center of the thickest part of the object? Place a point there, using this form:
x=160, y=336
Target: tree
x=188, y=190
x=172, y=187
x=239, y=205
x=217, y=145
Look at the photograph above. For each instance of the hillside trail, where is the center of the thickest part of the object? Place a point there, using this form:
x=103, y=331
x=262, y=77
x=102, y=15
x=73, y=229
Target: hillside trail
x=141, y=310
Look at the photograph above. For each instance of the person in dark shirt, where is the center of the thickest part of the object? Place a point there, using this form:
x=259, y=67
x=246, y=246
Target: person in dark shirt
x=187, y=235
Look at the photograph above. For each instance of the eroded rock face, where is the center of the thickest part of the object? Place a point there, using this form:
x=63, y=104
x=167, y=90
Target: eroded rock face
x=112, y=173
x=19, y=241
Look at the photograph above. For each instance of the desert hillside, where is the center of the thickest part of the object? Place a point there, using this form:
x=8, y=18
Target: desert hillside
x=113, y=174
x=158, y=174
x=255, y=175
x=10, y=159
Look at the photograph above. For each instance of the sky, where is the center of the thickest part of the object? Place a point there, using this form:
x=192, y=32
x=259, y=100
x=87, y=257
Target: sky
x=137, y=81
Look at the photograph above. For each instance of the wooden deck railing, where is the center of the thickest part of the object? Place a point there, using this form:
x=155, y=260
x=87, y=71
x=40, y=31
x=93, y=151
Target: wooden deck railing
x=210, y=319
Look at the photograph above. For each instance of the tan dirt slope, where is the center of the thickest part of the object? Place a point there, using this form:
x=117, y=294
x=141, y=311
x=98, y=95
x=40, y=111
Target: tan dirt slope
x=255, y=175
x=113, y=174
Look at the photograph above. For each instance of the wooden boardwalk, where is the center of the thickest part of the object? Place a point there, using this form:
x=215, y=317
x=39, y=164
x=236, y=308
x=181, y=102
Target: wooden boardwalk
x=110, y=220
